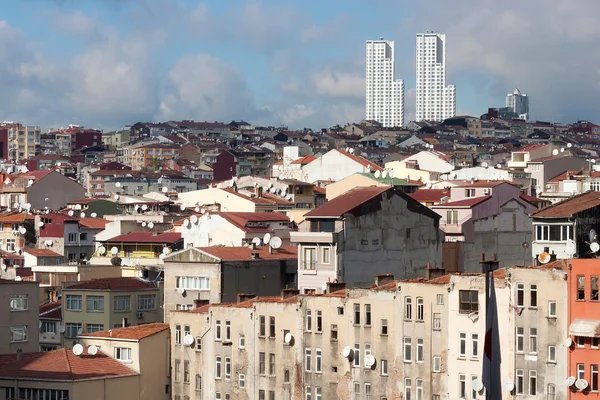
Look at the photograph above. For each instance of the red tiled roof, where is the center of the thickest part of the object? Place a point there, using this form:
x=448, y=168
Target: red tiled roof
x=14, y=216
x=347, y=202
x=304, y=160
x=362, y=161
x=38, y=174
x=119, y=283
x=531, y=147
x=468, y=203
x=567, y=208
x=425, y=195
x=62, y=365
x=577, y=175
x=245, y=253
x=42, y=253
x=318, y=189
x=533, y=200
x=51, y=310
x=137, y=332
x=93, y=223
x=147, y=237
x=241, y=219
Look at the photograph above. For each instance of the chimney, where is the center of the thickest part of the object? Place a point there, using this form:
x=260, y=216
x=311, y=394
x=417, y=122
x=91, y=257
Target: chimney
x=383, y=279
x=335, y=286
x=200, y=303
x=253, y=246
x=241, y=297
x=259, y=192
x=291, y=292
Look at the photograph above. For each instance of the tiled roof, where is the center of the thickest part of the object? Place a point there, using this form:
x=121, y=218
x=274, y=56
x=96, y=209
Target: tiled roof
x=533, y=200
x=483, y=183
x=347, y=202
x=425, y=195
x=529, y=148
x=42, y=253
x=119, y=283
x=468, y=203
x=573, y=205
x=51, y=310
x=304, y=160
x=137, y=332
x=147, y=237
x=62, y=365
x=241, y=219
x=577, y=176
x=245, y=253
x=361, y=160
x=14, y=217
x=93, y=223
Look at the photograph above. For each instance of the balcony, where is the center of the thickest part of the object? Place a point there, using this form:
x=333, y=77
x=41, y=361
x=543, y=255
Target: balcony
x=313, y=237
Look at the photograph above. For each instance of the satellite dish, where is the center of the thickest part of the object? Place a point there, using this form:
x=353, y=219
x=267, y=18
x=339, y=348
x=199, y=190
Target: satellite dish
x=16, y=205
x=101, y=250
x=392, y=173
x=484, y=164
x=182, y=207
x=150, y=225
x=570, y=248
x=562, y=149
x=202, y=211
x=197, y=209
x=165, y=189
x=570, y=381
x=288, y=338
x=347, y=352
x=180, y=290
x=188, y=340
x=144, y=207
x=9, y=170
x=276, y=242
x=18, y=278
x=117, y=197
x=369, y=360
x=114, y=251
x=186, y=222
x=77, y=349
x=377, y=174
x=569, y=145
x=58, y=164
x=70, y=213
x=384, y=174
x=267, y=238
x=593, y=235
x=498, y=165
x=41, y=224
x=428, y=185
x=477, y=385
x=166, y=250
x=22, y=230
x=82, y=215
x=30, y=182
x=194, y=219
x=200, y=203
x=118, y=184
x=351, y=151
x=594, y=247
x=555, y=152
x=92, y=350
x=568, y=342
x=324, y=287
x=544, y=258
x=509, y=385
x=289, y=197
x=256, y=241
x=93, y=215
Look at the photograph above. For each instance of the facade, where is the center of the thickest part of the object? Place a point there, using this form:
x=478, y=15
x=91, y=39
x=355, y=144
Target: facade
x=435, y=100
x=19, y=316
x=518, y=103
x=336, y=165
x=424, y=166
x=363, y=180
x=384, y=93
x=51, y=337
x=23, y=141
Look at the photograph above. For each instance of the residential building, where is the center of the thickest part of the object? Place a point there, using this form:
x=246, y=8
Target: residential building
x=518, y=103
x=12, y=238
x=41, y=257
x=236, y=200
x=149, y=155
x=336, y=165
x=113, y=140
x=23, y=141
x=368, y=179
x=51, y=337
x=544, y=169
x=379, y=226
x=424, y=166
x=384, y=93
x=106, y=303
x=145, y=349
x=218, y=274
x=435, y=100
x=521, y=157
x=19, y=316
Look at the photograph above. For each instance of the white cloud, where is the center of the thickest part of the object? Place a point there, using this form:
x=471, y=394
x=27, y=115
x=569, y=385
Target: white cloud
x=330, y=83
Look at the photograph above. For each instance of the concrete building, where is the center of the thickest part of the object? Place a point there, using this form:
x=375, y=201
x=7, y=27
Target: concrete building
x=435, y=100
x=379, y=226
x=520, y=158
x=384, y=93
x=23, y=141
x=232, y=199
x=340, y=187
x=113, y=140
x=19, y=316
x=336, y=165
x=544, y=169
x=424, y=166
x=51, y=337
x=518, y=103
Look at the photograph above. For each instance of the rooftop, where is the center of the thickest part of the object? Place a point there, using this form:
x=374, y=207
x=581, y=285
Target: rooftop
x=119, y=283
x=147, y=237
x=245, y=253
x=51, y=310
x=571, y=206
x=241, y=219
x=137, y=332
x=304, y=160
x=425, y=195
x=347, y=202
x=93, y=223
x=362, y=161
x=466, y=203
x=42, y=253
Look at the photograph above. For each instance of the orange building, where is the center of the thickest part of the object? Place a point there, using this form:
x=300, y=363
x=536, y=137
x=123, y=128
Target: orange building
x=584, y=328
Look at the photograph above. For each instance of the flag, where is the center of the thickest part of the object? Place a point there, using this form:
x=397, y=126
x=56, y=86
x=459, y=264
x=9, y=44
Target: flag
x=491, y=361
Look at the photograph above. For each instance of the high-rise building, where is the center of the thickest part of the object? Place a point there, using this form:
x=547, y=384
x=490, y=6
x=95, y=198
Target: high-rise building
x=518, y=103
x=435, y=100
x=384, y=94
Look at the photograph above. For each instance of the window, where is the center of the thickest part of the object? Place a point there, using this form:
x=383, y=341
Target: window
x=308, y=321
x=533, y=340
x=580, y=341
x=319, y=322
x=594, y=377
x=384, y=367
x=262, y=367
x=177, y=370
x=318, y=394
x=307, y=359
x=72, y=330
x=356, y=355
x=580, y=287
x=310, y=258
x=146, y=302
x=271, y=327
x=451, y=217
x=242, y=381
x=193, y=282
x=462, y=344
x=318, y=360
x=473, y=391
x=407, y=349
x=533, y=296
x=261, y=395
x=594, y=343
x=437, y=364
x=468, y=301
x=262, y=326
x=469, y=192
x=594, y=288
x=520, y=294
x=218, y=366
x=520, y=382
x=18, y=302
x=227, y=368
x=177, y=334
x=356, y=314
x=326, y=255
x=520, y=340
x=580, y=371
x=186, y=371
x=533, y=383
x=551, y=392
x=462, y=386
x=367, y=315
x=10, y=244
x=384, y=326
x=122, y=303
x=286, y=376
x=186, y=331
x=198, y=386
x=90, y=328
x=334, y=332
x=242, y=341
x=48, y=327
x=407, y=308
x=407, y=389
x=198, y=343
x=218, y=396
x=552, y=309
x=18, y=333
x=420, y=350
x=437, y=321
x=474, y=346
x=271, y=395
x=440, y=299
x=74, y=302
x=552, y=353
x=367, y=391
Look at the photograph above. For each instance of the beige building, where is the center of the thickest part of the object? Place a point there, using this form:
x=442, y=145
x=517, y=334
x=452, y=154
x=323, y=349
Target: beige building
x=19, y=316
x=145, y=349
x=113, y=140
x=102, y=304
x=340, y=187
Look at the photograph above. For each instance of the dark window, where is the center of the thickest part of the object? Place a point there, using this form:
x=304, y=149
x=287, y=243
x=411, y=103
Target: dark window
x=580, y=287
x=356, y=314
x=262, y=331
x=468, y=301
x=594, y=288
x=272, y=327
x=555, y=233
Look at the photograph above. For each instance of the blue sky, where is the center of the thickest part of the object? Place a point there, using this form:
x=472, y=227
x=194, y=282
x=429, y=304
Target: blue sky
x=109, y=63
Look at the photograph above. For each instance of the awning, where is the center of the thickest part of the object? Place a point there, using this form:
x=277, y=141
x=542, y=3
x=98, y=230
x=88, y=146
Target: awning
x=585, y=328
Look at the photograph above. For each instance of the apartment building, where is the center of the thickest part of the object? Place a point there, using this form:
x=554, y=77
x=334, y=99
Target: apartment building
x=23, y=141
x=19, y=316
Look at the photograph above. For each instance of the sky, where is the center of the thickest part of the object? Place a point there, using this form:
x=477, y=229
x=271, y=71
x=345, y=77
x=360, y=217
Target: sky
x=111, y=63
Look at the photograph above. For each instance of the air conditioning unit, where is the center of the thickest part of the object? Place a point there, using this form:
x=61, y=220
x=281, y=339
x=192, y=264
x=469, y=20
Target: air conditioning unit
x=140, y=314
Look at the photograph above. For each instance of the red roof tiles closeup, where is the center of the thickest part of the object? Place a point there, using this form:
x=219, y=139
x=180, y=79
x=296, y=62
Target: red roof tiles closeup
x=120, y=284
x=51, y=310
x=137, y=332
x=241, y=219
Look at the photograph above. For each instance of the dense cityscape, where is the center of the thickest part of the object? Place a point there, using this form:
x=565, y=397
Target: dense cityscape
x=440, y=256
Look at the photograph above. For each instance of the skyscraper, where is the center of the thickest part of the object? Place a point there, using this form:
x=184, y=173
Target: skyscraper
x=384, y=94
x=518, y=103
x=435, y=100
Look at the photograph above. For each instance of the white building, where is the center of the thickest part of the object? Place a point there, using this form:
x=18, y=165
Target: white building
x=384, y=93
x=435, y=100
x=519, y=103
